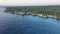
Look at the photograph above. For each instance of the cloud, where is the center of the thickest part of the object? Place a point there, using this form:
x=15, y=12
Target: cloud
x=29, y=2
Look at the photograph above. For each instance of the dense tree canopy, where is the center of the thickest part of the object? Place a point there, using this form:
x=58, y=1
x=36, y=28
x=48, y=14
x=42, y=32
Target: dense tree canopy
x=46, y=10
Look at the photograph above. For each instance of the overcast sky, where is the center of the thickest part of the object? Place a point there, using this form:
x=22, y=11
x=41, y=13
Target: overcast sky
x=28, y=2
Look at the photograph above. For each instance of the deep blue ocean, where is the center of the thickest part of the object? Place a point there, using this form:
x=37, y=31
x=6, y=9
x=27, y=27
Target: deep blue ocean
x=28, y=24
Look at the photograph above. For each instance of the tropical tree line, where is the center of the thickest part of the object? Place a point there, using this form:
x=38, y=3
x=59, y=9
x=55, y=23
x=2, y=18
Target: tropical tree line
x=46, y=10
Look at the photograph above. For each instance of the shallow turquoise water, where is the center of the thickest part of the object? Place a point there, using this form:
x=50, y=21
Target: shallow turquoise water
x=28, y=24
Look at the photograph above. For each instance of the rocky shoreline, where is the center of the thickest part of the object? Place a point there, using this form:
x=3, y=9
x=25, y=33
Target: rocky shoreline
x=40, y=15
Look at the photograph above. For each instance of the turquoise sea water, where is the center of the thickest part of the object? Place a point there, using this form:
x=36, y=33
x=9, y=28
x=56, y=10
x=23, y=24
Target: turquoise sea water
x=28, y=24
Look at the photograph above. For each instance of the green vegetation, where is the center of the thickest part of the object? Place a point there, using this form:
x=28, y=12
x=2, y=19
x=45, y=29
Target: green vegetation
x=45, y=10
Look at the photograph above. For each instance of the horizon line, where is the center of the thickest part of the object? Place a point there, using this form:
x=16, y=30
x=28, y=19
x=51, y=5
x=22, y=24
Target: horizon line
x=29, y=5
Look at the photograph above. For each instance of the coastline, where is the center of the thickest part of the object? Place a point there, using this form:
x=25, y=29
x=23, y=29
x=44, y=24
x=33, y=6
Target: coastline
x=40, y=15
